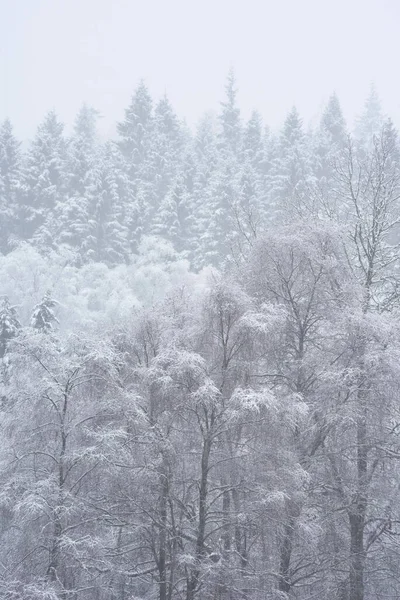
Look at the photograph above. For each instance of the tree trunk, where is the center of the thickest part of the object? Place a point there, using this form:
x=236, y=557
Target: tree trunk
x=193, y=580
x=357, y=514
x=284, y=583
x=162, y=553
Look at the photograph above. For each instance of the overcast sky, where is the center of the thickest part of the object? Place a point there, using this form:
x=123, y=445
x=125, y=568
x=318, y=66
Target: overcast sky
x=60, y=53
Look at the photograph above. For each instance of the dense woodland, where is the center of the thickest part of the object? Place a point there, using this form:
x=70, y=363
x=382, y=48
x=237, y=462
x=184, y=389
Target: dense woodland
x=200, y=357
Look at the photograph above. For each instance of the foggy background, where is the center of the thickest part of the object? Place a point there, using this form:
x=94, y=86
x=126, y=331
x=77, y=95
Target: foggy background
x=60, y=53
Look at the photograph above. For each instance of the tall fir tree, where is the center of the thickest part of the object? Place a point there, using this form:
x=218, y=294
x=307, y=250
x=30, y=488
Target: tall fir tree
x=135, y=130
x=72, y=210
x=136, y=136
x=290, y=172
x=43, y=318
x=252, y=146
x=252, y=186
x=10, y=186
x=167, y=145
x=173, y=219
x=43, y=181
x=206, y=158
x=219, y=225
x=230, y=134
x=107, y=233
x=329, y=142
x=370, y=122
x=9, y=324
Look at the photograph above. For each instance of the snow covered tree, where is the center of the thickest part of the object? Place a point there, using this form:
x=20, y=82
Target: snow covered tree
x=331, y=137
x=44, y=181
x=166, y=148
x=43, y=318
x=290, y=171
x=218, y=214
x=369, y=185
x=302, y=271
x=326, y=148
x=230, y=134
x=54, y=535
x=135, y=131
x=206, y=159
x=370, y=122
x=10, y=185
x=107, y=232
x=250, y=210
x=173, y=218
x=72, y=211
x=9, y=324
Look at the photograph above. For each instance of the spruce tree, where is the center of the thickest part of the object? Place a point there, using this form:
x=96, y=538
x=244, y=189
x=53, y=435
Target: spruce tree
x=107, y=233
x=206, y=157
x=290, y=171
x=9, y=324
x=329, y=142
x=43, y=179
x=135, y=130
x=43, y=318
x=136, y=138
x=166, y=155
x=173, y=219
x=230, y=134
x=80, y=165
x=252, y=184
x=370, y=122
x=10, y=185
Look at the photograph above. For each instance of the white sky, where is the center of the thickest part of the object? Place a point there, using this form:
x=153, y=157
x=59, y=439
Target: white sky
x=60, y=53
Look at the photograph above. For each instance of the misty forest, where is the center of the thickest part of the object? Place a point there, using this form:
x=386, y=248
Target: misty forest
x=200, y=356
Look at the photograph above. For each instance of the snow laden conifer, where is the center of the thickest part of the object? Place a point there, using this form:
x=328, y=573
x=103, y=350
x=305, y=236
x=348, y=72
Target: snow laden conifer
x=10, y=185
x=229, y=118
x=107, y=232
x=166, y=153
x=328, y=143
x=44, y=181
x=330, y=139
x=135, y=145
x=43, y=318
x=370, y=122
x=290, y=170
x=72, y=212
x=135, y=130
x=9, y=324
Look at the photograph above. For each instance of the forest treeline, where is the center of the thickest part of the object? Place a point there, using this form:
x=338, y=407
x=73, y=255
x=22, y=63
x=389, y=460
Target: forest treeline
x=206, y=192
x=200, y=358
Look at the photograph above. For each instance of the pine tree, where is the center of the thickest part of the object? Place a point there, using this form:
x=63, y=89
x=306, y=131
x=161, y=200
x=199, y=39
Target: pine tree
x=173, y=220
x=329, y=142
x=9, y=324
x=252, y=185
x=135, y=130
x=107, y=233
x=290, y=170
x=80, y=165
x=10, y=185
x=230, y=134
x=218, y=215
x=370, y=122
x=43, y=178
x=206, y=158
x=43, y=318
x=136, y=136
x=333, y=123
x=167, y=145
x=252, y=147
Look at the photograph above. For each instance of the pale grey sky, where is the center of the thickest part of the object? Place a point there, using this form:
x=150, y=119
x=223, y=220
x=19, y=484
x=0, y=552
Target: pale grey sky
x=59, y=53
